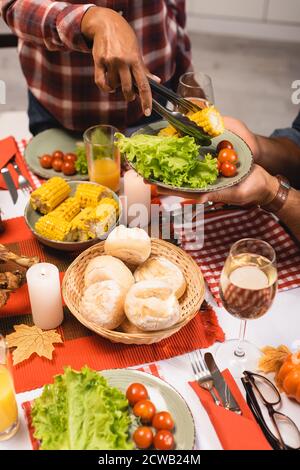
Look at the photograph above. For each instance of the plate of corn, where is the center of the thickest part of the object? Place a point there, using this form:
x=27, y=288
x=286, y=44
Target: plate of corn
x=72, y=215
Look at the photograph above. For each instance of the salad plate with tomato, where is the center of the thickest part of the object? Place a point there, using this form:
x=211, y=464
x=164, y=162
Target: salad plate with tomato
x=55, y=152
x=225, y=163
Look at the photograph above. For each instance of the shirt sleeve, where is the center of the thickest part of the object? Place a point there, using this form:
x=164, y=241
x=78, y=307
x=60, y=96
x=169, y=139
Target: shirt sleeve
x=54, y=25
x=292, y=133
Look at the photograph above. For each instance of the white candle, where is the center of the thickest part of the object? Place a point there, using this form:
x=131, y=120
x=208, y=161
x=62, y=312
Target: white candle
x=45, y=296
x=138, y=198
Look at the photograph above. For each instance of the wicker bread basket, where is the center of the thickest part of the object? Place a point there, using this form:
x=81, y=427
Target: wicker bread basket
x=190, y=302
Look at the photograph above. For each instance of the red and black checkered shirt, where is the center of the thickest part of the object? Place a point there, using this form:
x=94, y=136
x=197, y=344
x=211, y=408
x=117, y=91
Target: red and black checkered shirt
x=58, y=65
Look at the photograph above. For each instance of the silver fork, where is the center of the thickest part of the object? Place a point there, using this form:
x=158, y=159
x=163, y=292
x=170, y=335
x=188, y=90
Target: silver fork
x=202, y=374
x=23, y=182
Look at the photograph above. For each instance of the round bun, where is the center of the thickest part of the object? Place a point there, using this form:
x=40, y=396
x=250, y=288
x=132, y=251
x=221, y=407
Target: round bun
x=128, y=327
x=103, y=303
x=132, y=245
x=105, y=268
x=152, y=305
x=160, y=268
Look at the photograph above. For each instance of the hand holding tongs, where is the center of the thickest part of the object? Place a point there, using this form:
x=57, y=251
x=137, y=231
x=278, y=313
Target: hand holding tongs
x=178, y=120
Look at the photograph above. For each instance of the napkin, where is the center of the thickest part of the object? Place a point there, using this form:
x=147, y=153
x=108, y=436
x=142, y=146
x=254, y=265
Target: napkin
x=236, y=432
x=9, y=148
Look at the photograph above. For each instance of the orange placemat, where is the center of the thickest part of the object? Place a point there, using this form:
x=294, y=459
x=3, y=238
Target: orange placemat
x=81, y=346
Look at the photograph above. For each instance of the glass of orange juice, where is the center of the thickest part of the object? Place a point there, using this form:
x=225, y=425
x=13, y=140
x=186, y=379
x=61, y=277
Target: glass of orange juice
x=9, y=422
x=103, y=157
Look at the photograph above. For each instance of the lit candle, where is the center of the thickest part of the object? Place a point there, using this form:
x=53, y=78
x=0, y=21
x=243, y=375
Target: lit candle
x=45, y=296
x=138, y=196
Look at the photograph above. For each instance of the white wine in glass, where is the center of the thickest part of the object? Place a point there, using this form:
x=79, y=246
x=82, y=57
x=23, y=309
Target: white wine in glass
x=248, y=286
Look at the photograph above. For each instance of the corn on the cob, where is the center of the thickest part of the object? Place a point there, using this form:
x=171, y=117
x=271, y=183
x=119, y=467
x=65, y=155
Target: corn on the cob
x=53, y=227
x=89, y=195
x=82, y=226
x=168, y=131
x=108, y=204
x=210, y=120
x=48, y=196
x=68, y=209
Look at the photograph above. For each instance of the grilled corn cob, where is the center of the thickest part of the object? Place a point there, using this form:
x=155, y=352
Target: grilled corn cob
x=49, y=226
x=48, y=196
x=67, y=210
x=210, y=120
x=89, y=195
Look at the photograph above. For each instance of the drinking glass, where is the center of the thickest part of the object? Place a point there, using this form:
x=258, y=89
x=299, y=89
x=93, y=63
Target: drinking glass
x=197, y=87
x=9, y=421
x=248, y=286
x=103, y=156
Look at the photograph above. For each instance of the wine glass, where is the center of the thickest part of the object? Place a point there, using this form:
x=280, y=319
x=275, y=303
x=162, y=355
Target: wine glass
x=248, y=286
x=196, y=87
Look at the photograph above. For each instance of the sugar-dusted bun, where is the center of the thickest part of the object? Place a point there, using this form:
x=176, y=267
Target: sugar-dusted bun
x=128, y=327
x=103, y=303
x=152, y=305
x=132, y=245
x=160, y=268
x=104, y=268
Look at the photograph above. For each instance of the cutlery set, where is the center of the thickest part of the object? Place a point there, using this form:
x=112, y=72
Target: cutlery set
x=210, y=378
x=23, y=183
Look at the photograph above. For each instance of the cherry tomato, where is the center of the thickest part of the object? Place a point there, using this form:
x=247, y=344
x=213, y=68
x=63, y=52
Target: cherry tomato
x=227, y=155
x=68, y=168
x=136, y=392
x=46, y=161
x=219, y=164
x=163, y=420
x=228, y=169
x=145, y=410
x=58, y=154
x=57, y=164
x=224, y=144
x=143, y=437
x=70, y=157
x=164, y=440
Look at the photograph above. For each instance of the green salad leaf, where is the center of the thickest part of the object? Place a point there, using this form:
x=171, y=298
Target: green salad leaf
x=171, y=160
x=81, y=161
x=80, y=411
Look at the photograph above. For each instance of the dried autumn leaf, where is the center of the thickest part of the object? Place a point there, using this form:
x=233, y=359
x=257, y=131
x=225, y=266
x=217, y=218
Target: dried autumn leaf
x=273, y=358
x=29, y=340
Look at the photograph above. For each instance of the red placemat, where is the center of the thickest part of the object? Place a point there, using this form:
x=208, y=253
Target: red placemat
x=221, y=233
x=81, y=346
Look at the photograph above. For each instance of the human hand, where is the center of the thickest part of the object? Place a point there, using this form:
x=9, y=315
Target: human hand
x=258, y=188
x=117, y=55
x=240, y=128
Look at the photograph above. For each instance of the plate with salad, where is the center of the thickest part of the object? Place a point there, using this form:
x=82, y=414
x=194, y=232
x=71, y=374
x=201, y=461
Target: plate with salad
x=119, y=409
x=55, y=152
x=178, y=163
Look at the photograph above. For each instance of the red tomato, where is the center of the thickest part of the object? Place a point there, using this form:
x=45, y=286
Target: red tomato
x=163, y=420
x=58, y=154
x=227, y=155
x=228, y=169
x=224, y=144
x=164, y=440
x=136, y=392
x=143, y=437
x=46, y=161
x=57, y=164
x=219, y=164
x=145, y=410
x=70, y=157
x=68, y=168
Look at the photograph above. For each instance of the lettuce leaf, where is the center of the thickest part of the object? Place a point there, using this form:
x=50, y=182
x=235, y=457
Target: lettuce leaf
x=80, y=411
x=171, y=160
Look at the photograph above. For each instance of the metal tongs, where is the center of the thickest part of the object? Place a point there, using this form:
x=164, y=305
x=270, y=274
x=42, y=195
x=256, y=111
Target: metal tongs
x=177, y=119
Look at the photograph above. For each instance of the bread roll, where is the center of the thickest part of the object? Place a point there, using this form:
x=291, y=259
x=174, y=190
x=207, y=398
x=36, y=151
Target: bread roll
x=160, y=268
x=104, y=268
x=132, y=245
x=128, y=327
x=103, y=303
x=152, y=305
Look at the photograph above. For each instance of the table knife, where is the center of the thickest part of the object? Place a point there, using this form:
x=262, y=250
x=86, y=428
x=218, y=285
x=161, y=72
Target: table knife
x=221, y=386
x=10, y=184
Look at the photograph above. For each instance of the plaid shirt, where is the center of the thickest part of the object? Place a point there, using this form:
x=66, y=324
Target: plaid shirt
x=58, y=64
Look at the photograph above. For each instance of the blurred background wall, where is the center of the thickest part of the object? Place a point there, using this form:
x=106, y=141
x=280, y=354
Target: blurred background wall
x=250, y=48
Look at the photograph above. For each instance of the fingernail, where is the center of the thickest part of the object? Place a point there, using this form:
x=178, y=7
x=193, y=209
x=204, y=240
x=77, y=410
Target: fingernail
x=147, y=112
x=155, y=77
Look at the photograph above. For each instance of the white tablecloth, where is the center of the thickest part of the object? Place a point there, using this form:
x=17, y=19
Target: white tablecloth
x=280, y=326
